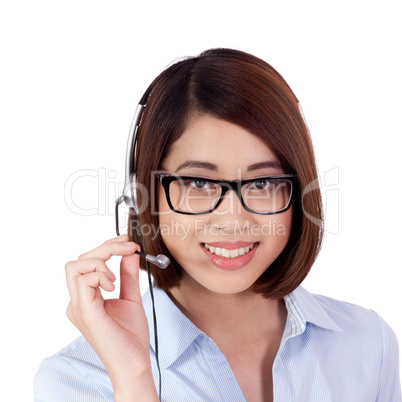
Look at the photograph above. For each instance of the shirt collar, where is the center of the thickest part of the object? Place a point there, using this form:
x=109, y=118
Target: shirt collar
x=303, y=307
x=176, y=332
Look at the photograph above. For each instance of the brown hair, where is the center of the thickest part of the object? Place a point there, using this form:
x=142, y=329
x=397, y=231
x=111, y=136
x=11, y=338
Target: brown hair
x=244, y=90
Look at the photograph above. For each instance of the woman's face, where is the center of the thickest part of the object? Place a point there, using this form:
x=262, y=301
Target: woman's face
x=216, y=149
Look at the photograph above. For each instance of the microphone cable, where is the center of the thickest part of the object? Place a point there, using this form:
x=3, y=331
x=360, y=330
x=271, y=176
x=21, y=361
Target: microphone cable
x=155, y=324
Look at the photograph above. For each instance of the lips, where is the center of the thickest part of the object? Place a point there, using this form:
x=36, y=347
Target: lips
x=230, y=256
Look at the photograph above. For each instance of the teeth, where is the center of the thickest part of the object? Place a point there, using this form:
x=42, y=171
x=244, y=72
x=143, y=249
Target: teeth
x=228, y=253
x=234, y=253
x=225, y=253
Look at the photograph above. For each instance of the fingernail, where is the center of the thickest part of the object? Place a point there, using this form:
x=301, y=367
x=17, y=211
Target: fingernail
x=128, y=243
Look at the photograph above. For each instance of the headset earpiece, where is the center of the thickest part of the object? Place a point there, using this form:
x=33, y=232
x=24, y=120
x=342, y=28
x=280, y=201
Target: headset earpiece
x=130, y=193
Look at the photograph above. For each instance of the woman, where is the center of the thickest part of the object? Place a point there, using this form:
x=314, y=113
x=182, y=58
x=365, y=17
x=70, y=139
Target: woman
x=223, y=159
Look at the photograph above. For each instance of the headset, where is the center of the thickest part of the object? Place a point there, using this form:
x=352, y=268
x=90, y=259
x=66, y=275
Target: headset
x=129, y=196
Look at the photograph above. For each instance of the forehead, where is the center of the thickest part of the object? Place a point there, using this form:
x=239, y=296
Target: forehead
x=226, y=145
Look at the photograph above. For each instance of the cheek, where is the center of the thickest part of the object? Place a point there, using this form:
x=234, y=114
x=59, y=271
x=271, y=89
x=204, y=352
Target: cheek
x=275, y=234
x=180, y=239
x=283, y=227
x=284, y=224
x=177, y=230
x=273, y=228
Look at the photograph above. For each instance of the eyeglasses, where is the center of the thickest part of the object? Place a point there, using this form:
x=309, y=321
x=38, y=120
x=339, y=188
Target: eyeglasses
x=197, y=195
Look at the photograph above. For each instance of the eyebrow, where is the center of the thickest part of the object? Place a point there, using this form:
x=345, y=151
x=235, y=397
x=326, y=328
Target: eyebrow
x=198, y=164
x=264, y=165
x=212, y=167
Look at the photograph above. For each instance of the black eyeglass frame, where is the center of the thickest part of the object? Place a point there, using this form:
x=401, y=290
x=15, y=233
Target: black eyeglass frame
x=166, y=178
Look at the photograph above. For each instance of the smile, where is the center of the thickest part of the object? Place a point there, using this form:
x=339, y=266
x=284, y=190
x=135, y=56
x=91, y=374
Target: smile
x=224, y=252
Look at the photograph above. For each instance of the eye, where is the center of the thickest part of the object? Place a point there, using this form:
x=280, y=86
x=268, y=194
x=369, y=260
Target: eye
x=198, y=184
x=201, y=184
x=261, y=185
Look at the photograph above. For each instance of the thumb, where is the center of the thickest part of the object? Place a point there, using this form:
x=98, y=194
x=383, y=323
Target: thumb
x=129, y=278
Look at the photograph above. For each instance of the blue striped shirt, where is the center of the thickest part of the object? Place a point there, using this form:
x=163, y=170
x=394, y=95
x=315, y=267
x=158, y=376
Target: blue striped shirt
x=330, y=351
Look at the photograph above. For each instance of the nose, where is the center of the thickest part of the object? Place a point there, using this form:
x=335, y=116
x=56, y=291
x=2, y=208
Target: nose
x=230, y=216
x=230, y=205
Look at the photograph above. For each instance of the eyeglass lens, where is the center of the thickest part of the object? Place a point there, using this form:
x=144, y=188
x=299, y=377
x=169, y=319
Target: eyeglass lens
x=200, y=195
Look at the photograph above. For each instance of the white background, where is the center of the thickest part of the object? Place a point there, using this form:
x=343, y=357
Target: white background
x=71, y=74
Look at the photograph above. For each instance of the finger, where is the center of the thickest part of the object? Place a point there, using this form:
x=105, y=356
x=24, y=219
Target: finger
x=108, y=249
x=88, y=307
x=121, y=238
x=129, y=278
x=74, y=269
x=88, y=287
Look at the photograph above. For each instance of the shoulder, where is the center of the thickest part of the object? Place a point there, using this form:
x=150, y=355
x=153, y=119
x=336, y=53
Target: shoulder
x=364, y=341
x=73, y=373
x=356, y=320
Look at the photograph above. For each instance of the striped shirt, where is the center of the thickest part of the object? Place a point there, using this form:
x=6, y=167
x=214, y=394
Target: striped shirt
x=330, y=351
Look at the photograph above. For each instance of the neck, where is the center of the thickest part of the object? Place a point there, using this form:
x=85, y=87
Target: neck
x=230, y=317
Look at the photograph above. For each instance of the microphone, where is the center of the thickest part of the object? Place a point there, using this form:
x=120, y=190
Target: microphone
x=160, y=260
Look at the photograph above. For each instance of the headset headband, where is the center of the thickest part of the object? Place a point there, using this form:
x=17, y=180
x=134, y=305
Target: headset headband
x=129, y=182
x=129, y=193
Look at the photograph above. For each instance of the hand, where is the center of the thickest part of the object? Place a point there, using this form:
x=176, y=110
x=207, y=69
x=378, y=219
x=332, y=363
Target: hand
x=117, y=329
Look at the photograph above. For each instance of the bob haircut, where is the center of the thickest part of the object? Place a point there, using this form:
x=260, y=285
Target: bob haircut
x=244, y=90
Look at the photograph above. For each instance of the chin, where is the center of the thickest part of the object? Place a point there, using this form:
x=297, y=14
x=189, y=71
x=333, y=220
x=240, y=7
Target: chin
x=225, y=287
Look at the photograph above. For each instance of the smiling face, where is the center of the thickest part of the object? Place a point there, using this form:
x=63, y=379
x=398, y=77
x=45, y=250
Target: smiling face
x=227, y=250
